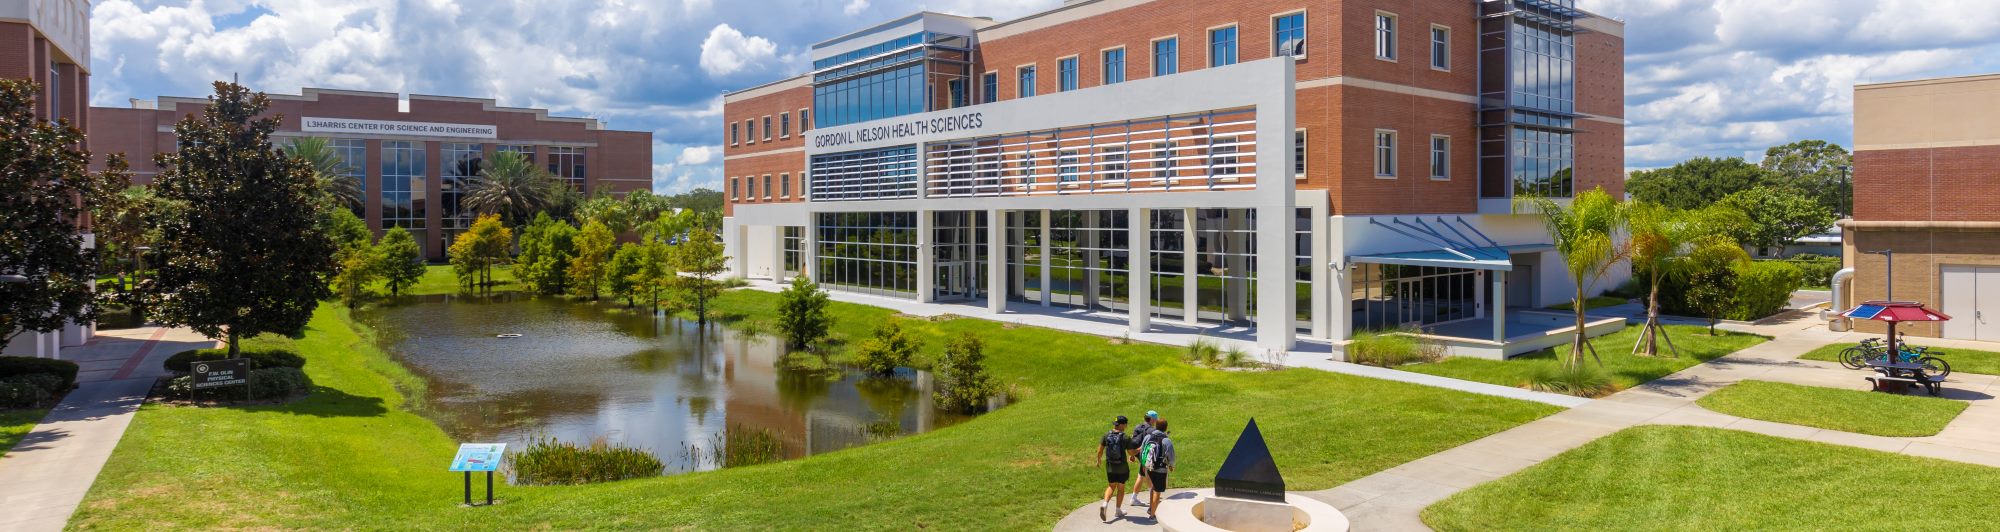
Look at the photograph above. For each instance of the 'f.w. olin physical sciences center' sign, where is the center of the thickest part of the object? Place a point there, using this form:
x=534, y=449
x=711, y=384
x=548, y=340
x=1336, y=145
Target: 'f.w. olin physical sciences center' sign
x=391, y=127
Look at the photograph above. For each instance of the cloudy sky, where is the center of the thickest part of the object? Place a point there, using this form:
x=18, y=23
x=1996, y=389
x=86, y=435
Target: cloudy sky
x=1704, y=77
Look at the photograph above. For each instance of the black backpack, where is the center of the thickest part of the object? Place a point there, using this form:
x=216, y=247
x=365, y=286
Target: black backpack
x=1114, y=447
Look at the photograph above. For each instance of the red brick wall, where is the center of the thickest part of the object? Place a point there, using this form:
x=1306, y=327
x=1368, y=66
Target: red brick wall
x=1928, y=184
x=1412, y=190
x=17, y=41
x=1600, y=91
x=741, y=159
x=133, y=132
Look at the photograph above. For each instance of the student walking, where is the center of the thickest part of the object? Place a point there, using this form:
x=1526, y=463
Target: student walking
x=1112, y=453
x=1139, y=435
x=1160, y=461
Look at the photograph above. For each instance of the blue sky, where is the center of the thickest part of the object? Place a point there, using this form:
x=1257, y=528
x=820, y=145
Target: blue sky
x=1704, y=77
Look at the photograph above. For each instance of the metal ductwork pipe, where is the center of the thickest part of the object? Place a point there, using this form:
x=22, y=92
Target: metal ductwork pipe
x=1833, y=308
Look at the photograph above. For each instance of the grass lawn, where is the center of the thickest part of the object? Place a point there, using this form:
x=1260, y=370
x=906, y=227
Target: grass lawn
x=1595, y=302
x=1698, y=479
x=1965, y=360
x=1880, y=414
x=15, y=424
x=1626, y=370
x=438, y=279
x=351, y=456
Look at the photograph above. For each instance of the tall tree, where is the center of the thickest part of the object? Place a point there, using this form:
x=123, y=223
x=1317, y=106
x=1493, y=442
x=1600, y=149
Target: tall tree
x=1695, y=183
x=626, y=264
x=399, y=260
x=244, y=255
x=547, y=244
x=510, y=186
x=1587, y=233
x=1816, y=167
x=1777, y=216
x=329, y=170
x=706, y=204
x=701, y=264
x=614, y=213
x=1660, y=238
x=642, y=206
x=594, y=246
x=45, y=187
x=1710, y=273
x=475, y=251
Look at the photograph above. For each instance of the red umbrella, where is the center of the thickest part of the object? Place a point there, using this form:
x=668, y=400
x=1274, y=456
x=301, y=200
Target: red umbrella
x=1893, y=312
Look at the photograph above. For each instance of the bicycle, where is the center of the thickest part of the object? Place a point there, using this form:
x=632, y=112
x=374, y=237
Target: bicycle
x=1871, y=349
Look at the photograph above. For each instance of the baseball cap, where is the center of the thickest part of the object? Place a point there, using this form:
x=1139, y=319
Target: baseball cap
x=1152, y=415
x=1121, y=420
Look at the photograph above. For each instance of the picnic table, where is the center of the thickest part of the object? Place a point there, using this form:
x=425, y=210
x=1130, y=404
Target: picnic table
x=1898, y=376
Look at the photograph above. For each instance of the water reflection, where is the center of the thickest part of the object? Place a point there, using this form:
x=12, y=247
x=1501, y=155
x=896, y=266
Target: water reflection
x=582, y=371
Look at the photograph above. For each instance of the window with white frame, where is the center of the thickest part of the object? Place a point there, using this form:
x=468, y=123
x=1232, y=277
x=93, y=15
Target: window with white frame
x=1385, y=36
x=1440, y=157
x=735, y=188
x=1222, y=46
x=752, y=196
x=1114, y=66
x=734, y=130
x=1066, y=74
x=1288, y=35
x=750, y=131
x=785, y=185
x=1299, y=153
x=1440, y=47
x=804, y=123
x=784, y=126
x=1385, y=153
x=1026, y=83
x=767, y=127
x=767, y=186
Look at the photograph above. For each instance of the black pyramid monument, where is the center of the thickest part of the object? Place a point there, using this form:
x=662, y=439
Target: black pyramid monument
x=1249, y=472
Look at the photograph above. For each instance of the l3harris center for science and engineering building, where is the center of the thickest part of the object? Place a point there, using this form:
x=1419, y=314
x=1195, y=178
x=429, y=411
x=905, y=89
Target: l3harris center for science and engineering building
x=1279, y=168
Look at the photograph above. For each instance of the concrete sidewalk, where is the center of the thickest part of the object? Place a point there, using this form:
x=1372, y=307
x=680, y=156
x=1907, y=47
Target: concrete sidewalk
x=47, y=474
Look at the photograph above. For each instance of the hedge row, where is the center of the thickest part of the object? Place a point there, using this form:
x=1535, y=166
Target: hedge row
x=259, y=358
x=33, y=382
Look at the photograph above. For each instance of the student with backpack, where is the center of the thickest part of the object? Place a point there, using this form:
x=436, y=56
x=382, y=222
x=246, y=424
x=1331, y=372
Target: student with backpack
x=1158, y=451
x=1139, y=435
x=1112, y=453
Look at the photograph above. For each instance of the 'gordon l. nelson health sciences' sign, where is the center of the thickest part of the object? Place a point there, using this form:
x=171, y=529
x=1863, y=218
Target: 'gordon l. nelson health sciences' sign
x=392, y=127
x=913, y=128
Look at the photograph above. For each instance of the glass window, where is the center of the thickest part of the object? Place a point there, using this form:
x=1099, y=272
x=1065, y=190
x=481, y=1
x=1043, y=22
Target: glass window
x=462, y=161
x=751, y=126
x=1066, y=74
x=1027, y=83
x=957, y=89
x=871, y=90
x=767, y=128
x=1440, y=157
x=1299, y=154
x=1440, y=48
x=784, y=125
x=567, y=165
x=1288, y=35
x=767, y=186
x=1166, y=56
x=1385, y=36
x=1385, y=153
x=735, y=188
x=733, y=130
x=868, y=252
x=989, y=86
x=753, y=188
x=1114, y=66
x=1542, y=163
x=785, y=185
x=1222, y=46
x=403, y=184
x=804, y=124
x=353, y=156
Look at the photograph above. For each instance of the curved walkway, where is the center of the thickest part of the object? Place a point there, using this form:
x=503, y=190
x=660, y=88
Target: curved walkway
x=47, y=474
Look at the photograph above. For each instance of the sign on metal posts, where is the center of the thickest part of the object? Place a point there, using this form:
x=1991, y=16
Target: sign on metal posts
x=478, y=457
x=219, y=373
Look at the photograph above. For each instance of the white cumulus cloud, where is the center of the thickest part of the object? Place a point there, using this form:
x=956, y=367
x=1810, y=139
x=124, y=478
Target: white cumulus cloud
x=727, y=51
x=855, y=7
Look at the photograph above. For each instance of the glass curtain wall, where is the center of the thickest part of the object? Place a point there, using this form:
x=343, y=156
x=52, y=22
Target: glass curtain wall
x=910, y=74
x=353, y=156
x=795, y=245
x=461, y=162
x=958, y=254
x=869, y=252
x=403, y=186
x=1528, y=98
x=1024, y=256
x=1169, y=263
x=1390, y=296
x=1226, y=265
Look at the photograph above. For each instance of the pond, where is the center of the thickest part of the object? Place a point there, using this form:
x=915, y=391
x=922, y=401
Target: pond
x=583, y=372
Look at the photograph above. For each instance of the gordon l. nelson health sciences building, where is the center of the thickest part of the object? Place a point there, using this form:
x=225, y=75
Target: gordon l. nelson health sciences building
x=1276, y=169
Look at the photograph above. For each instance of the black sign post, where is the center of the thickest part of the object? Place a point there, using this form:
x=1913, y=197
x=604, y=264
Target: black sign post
x=219, y=373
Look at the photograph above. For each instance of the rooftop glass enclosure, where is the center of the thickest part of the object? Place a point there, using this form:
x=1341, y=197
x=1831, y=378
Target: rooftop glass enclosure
x=914, y=73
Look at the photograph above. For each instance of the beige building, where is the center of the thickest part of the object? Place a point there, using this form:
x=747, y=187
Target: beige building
x=1927, y=187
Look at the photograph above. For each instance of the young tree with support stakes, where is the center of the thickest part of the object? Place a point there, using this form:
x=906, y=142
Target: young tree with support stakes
x=244, y=255
x=700, y=261
x=45, y=187
x=1660, y=238
x=1587, y=234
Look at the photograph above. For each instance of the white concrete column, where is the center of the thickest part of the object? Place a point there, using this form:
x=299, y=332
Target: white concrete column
x=926, y=262
x=777, y=253
x=1499, y=306
x=1190, y=271
x=1139, y=273
x=809, y=254
x=1479, y=293
x=996, y=261
x=1047, y=291
x=732, y=243
x=1322, y=273
x=1276, y=297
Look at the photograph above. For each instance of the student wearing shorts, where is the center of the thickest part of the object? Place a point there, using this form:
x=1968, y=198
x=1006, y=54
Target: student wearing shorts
x=1139, y=435
x=1113, y=453
x=1160, y=462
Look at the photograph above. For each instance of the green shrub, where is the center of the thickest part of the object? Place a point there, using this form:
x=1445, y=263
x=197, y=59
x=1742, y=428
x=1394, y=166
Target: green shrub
x=259, y=358
x=802, y=313
x=1589, y=381
x=546, y=461
x=1816, y=271
x=963, y=384
x=1763, y=288
x=16, y=366
x=25, y=391
x=1392, y=348
x=891, y=348
x=48, y=384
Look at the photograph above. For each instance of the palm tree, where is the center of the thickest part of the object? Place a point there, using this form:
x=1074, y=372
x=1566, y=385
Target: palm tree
x=510, y=186
x=328, y=169
x=1587, y=235
x=1661, y=239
